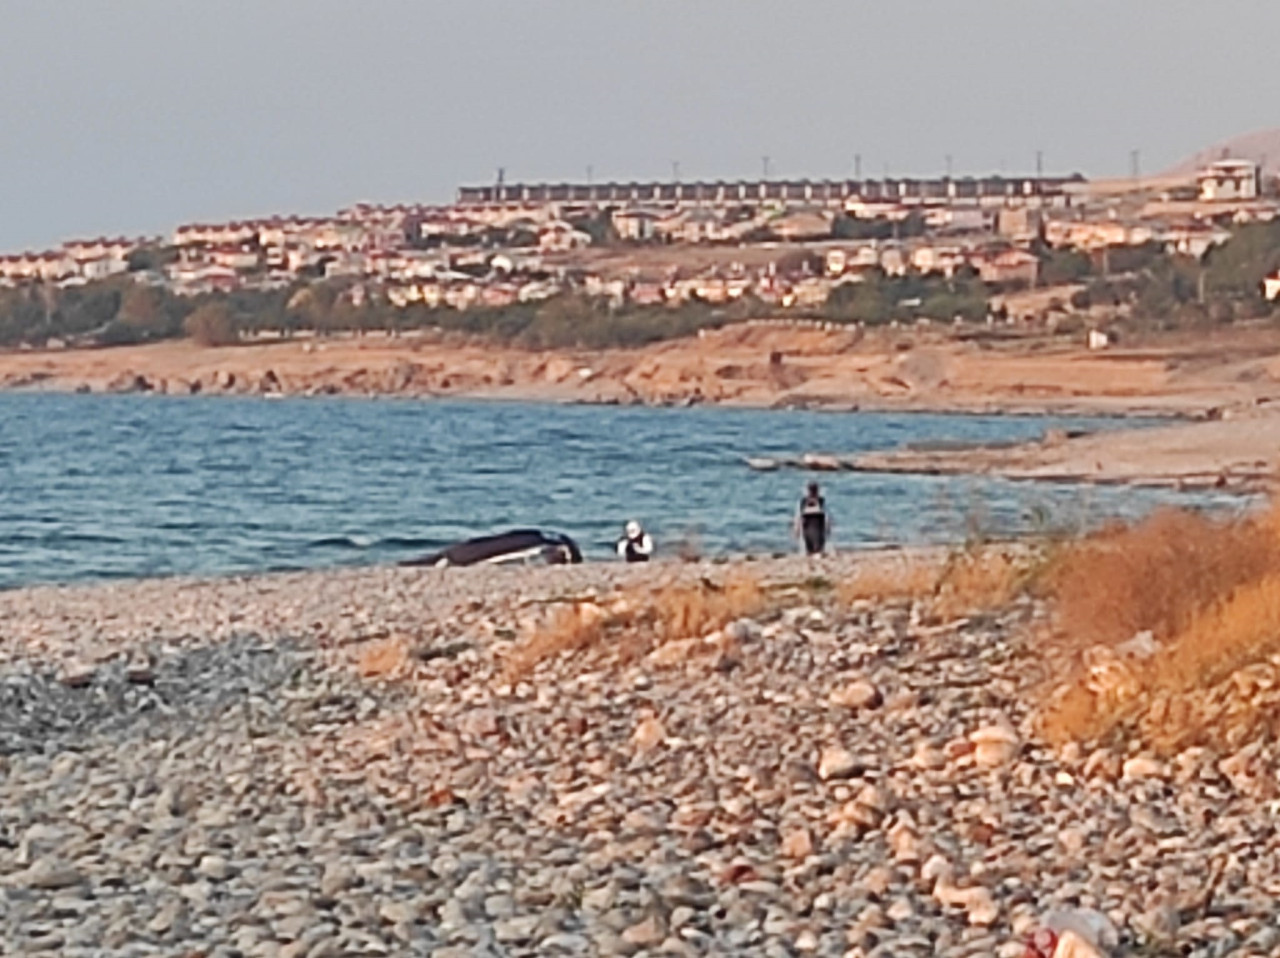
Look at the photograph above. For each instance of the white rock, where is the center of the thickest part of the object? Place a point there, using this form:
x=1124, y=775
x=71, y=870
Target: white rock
x=806, y=941
x=904, y=841
x=981, y=907
x=937, y=867
x=900, y=910
x=928, y=756
x=994, y=745
x=1140, y=767
x=215, y=868
x=857, y=695
x=836, y=763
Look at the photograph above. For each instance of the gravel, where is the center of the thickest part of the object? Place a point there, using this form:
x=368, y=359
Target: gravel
x=199, y=767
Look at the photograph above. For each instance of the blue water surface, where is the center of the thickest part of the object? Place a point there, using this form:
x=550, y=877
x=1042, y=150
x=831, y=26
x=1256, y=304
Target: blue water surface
x=95, y=487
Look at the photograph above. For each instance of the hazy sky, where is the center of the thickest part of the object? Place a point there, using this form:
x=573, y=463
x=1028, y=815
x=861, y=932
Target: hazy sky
x=134, y=116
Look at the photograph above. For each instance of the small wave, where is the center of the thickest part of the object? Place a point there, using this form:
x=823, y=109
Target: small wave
x=337, y=542
x=409, y=542
x=82, y=538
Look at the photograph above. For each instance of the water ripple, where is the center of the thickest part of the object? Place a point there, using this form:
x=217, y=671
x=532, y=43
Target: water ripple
x=98, y=487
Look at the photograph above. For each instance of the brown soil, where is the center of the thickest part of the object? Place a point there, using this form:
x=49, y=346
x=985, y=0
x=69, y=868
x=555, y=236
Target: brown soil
x=757, y=365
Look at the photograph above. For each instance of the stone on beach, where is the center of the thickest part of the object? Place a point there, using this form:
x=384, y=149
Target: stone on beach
x=836, y=763
x=994, y=745
x=260, y=796
x=857, y=695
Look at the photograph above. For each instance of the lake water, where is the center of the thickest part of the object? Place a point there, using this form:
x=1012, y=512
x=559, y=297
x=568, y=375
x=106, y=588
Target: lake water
x=95, y=487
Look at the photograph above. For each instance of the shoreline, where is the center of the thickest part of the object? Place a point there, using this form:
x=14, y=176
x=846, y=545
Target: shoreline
x=1066, y=409
x=737, y=366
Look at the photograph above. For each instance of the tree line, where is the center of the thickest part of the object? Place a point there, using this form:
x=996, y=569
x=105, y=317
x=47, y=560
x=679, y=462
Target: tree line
x=1158, y=288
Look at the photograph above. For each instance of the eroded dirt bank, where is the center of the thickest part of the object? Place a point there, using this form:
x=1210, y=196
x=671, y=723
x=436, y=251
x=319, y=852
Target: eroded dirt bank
x=755, y=365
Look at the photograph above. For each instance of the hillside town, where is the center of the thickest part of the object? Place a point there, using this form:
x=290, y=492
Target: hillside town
x=639, y=243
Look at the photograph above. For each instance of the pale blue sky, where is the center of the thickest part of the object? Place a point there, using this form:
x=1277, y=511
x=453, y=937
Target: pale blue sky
x=134, y=116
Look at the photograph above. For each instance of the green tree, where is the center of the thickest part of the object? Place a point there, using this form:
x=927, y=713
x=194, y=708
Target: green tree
x=1059, y=266
x=212, y=325
x=142, y=308
x=1236, y=268
x=151, y=258
x=847, y=227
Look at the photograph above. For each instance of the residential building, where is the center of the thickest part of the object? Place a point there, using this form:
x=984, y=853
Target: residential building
x=893, y=260
x=1008, y=266
x=635, y=225
x=1230, y=180
x=559, y=236
x=1271, y=286
x=938, y=259
x=189, y=279
x=1194, y=239
x=1019, y=224
x=802, y=224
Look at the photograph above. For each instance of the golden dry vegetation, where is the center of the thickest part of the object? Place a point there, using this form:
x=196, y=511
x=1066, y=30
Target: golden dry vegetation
x=968, y=581
x=638, y=621
x=386, y=658
x=1171, y=632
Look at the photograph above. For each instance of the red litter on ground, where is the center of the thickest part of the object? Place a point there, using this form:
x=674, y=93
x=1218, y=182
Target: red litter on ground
x=1042, y=944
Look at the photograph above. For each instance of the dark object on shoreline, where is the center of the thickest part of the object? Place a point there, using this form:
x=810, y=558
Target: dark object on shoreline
x=518, y=545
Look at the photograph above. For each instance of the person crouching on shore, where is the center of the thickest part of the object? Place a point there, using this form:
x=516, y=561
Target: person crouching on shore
x=635, y=544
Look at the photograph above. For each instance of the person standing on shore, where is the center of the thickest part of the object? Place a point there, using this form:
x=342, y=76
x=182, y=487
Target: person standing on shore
x=813, y=523
x=635, y=544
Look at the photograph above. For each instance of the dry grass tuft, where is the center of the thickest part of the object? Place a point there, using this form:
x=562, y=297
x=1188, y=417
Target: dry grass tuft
x=569, y=629
x=689, y=611
x=384, y=659
x=974, y=580
x=908, y=578
x=1208, y=592
x=980, y=580
x=639, y=621
x=1157, y=575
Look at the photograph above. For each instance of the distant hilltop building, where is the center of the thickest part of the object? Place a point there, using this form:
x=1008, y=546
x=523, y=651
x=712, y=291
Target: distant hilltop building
x=1230, y=180
x=979, y=191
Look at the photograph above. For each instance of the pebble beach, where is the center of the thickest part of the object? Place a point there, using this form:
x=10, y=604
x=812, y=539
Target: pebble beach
x=335, y=763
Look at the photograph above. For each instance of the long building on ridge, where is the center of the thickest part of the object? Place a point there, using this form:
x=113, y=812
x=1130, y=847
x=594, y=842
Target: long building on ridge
x=978, y=191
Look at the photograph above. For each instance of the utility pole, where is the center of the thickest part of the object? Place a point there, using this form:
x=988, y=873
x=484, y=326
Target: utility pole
x=675, y=171
x=948, y=166
x=590, y=170
x=857, y=166
x=1039, y=164
x=1135, y=166
x=764, y=162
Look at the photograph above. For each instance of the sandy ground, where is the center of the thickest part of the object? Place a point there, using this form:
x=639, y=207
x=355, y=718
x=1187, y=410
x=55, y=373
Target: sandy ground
x=1236, y=455
x=757, y=365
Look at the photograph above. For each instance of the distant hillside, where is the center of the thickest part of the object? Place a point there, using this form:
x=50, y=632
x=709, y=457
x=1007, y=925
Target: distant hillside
x=1261, y=146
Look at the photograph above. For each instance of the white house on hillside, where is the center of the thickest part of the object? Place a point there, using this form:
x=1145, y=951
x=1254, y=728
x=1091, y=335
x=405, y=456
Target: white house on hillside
x=1271, y=286
x=1230, y=180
